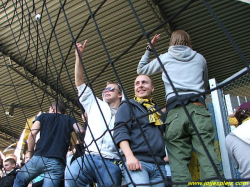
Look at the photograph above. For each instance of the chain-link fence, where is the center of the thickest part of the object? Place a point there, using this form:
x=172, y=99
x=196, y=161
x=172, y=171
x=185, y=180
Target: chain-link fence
x=238, y=91
x=234, y=91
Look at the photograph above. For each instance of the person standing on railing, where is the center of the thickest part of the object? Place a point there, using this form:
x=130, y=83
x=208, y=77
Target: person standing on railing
x=187, y=71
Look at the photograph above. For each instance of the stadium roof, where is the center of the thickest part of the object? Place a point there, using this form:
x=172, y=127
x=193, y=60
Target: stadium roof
x=37, y=58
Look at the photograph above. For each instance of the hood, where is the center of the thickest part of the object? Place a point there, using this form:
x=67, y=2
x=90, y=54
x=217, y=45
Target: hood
x=181, y=52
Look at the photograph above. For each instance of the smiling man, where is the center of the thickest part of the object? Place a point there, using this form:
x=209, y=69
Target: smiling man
x=141, y=140
x=98, y=165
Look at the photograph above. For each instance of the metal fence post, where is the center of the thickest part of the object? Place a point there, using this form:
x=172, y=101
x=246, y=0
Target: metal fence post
x=221, y=119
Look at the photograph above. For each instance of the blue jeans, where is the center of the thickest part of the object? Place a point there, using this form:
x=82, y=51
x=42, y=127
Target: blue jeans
x=91, y=170
x=149, y=174
x=68, y=160
x=51, y=167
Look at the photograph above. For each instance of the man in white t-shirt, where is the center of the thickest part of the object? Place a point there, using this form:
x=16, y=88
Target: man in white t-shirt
x=99, y=164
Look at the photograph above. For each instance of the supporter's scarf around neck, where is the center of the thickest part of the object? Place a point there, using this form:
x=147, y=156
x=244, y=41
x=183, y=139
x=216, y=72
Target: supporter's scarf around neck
x=246, y=119
x=150, y=105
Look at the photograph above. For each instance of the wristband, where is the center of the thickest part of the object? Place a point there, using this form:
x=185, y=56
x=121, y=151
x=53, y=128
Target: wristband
x=148, y=48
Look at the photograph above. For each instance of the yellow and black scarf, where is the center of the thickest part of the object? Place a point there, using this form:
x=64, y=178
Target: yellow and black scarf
x=150, y=105
x=248, y=118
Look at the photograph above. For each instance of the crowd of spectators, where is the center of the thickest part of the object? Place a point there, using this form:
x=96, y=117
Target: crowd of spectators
x=131, y=141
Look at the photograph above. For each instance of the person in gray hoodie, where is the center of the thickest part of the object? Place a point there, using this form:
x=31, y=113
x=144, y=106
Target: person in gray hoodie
x=187, y=71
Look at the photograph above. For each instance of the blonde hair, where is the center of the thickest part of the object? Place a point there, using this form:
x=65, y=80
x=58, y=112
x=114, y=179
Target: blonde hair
x=180, y=37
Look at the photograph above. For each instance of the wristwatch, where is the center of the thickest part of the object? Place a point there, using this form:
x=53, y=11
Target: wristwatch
x=148, y=48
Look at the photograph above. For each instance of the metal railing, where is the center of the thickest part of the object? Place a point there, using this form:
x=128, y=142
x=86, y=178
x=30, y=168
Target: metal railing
x=233, y=91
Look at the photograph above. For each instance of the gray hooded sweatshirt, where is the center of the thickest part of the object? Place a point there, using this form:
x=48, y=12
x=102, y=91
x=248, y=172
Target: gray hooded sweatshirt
x=186, y=68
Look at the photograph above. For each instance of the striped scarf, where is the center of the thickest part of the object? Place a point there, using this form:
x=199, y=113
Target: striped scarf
x=150, y=105
x=246, y=119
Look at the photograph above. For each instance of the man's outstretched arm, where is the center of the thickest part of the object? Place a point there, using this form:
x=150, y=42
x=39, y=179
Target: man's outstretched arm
x=32, y=139
x=79, y=76
x=144, y=67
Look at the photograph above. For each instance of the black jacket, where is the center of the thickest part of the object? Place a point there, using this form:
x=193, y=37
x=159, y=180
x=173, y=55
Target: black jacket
x=8, y=180
x=133, y=133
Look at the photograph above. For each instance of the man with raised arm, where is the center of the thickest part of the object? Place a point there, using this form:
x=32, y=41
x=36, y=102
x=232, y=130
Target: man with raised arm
x=187, y=70
x=141, y=139
x=50, y=154
x=99, y=164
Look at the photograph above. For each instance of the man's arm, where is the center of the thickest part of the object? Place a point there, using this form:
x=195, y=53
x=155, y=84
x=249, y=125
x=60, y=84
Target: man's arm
x=122, y=137
x=32, y=138
x=132, y=162
x=79, y=76
x=79, y=132
x=154, y=66
x=154, y=40
x=78, y=128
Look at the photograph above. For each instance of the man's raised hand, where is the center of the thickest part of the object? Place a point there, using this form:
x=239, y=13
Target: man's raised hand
x=154, y=40
x=80, y=48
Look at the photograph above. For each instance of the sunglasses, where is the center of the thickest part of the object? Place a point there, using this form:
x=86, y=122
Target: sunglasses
x=111, y=89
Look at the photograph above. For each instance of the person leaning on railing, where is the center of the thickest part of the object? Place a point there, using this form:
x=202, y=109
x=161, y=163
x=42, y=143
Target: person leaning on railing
x=238, y=141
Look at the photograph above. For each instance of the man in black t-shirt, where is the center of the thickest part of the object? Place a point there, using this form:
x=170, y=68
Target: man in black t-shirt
x=49, y=157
